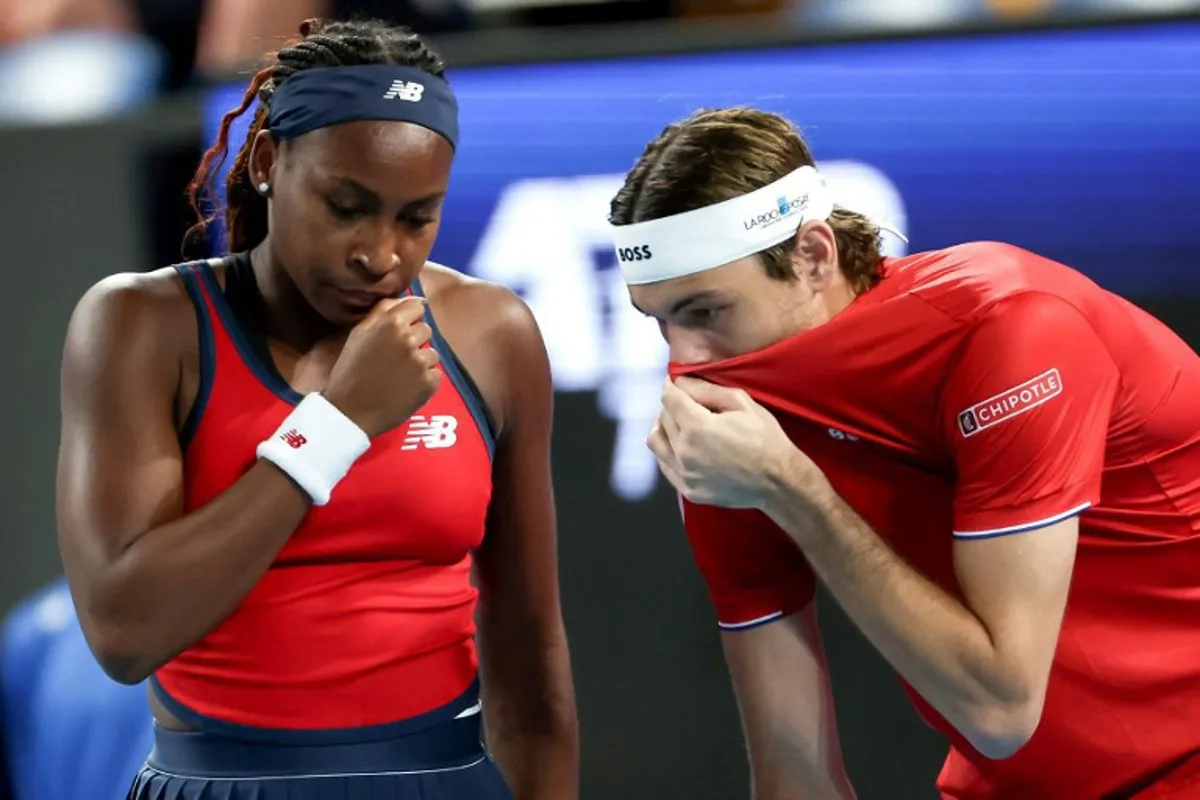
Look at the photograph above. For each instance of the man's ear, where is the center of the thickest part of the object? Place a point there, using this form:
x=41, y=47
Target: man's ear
x=815, y=256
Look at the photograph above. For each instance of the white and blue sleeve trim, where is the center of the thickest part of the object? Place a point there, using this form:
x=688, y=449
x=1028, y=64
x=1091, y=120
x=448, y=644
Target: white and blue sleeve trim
x=750, y=623
x=1024, y=527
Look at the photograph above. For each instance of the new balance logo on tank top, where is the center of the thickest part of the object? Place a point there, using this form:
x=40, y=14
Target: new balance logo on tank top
x=366, y=616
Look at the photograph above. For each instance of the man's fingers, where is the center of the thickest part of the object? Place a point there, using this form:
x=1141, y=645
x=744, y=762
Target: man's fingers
x=659, y=443
x=664, y=453
x=670, y=427
x=711, y=396
x=680, y=405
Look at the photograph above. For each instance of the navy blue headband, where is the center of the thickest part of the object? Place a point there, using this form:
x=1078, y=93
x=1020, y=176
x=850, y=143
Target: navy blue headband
x=322, y=96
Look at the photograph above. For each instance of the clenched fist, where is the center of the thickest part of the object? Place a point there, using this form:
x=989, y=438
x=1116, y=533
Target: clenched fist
x=385, y=372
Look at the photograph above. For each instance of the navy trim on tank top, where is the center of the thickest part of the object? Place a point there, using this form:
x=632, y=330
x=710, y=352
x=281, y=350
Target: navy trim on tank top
x=208, y=351
x=272, y=380
x=199, y=279
x=307, y=736
x=458, y=376
x=268, y=377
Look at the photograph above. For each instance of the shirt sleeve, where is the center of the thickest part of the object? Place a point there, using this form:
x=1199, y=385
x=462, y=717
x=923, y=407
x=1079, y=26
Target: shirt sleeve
x=755, y=573
x=1026, y=407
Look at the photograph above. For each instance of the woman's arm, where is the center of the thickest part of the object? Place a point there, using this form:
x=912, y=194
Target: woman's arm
x=528, y=696
x=148, y=581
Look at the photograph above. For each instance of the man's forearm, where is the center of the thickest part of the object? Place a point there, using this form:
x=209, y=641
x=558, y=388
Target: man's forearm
x=803, y=784
x=937, y=644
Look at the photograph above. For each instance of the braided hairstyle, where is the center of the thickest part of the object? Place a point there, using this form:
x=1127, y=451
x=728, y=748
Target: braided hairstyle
x=322, y=43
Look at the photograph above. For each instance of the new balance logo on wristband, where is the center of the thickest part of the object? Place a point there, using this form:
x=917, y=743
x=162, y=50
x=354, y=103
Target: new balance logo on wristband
x=294, y=439
x=434, y=432
x=317, y=466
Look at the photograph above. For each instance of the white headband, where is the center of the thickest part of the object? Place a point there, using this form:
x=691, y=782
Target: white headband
x=704, y=238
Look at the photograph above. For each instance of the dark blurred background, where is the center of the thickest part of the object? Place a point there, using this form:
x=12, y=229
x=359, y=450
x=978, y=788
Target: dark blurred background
x=1065, y=127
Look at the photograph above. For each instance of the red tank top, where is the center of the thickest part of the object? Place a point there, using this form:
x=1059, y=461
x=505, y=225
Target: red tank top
x=366, y=616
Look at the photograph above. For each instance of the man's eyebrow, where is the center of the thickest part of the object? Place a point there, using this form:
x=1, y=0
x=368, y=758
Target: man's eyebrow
x=682, y=303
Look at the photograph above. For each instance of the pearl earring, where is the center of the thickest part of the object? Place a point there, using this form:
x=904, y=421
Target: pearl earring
x=264, y=187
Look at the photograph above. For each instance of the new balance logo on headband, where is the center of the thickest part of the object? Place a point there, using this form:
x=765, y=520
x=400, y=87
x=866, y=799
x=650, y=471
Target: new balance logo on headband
x=405, y=90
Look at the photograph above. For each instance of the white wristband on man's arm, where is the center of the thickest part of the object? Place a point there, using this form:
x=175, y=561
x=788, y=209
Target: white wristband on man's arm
x=316, y=446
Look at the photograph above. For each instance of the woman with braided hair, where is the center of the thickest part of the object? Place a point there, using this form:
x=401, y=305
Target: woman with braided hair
x=290, y=477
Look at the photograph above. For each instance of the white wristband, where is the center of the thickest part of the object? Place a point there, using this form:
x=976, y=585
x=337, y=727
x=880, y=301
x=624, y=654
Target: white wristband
x=316, y=446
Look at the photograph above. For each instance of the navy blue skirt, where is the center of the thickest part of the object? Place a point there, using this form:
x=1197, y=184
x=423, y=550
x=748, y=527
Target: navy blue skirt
x=443, y=761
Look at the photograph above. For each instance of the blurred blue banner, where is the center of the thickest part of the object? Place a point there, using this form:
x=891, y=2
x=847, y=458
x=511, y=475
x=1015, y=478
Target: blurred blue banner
x=1080, y=145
